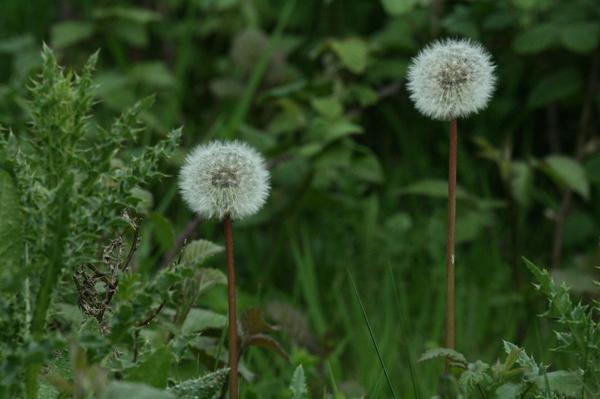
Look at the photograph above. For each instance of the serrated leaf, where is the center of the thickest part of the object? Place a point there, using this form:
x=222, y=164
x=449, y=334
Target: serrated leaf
x=554, y=87
x=10, y=226
x=130, y=390
x=580, y=37
x=567, y=172
x=196, y=252
x=536, y=39
x=153, y=369
x=298, y=384
x=352, y=53
x=206, y=387
x=443, y=353
x=67, y=33
x=530, y=366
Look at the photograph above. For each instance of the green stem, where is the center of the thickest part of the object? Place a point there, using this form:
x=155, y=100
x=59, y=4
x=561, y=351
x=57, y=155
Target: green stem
x=48, y=282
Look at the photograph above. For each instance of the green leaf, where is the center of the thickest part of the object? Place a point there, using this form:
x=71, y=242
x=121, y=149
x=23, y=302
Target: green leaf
x=445, y=353
x=398, y=7
x=530, y=366
x=163, y=231
x=132, y=14
x=129, y=390
x=196, y=252
x=556, y=86
x=68, y=33
x=10, y=228
x=329, y=107
x=153, y=74
x=202, y=319
x=433, y=188
x=568, y=383
x=206, y=387
x=352, y=53
x=298, y=384
x=535, y=39
x=567, y=172
x=153, y=369
x=580, y=37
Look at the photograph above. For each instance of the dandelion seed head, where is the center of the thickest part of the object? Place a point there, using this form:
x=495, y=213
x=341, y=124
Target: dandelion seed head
x=224, y=178
x=451, y=78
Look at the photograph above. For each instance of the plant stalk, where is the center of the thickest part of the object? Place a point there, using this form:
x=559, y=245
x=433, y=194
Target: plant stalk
x=450, y=255
x=233, y=337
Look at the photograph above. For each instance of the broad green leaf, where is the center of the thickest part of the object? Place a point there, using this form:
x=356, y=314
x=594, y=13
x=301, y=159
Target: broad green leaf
x=153, y=369
x=433, y=188
x=163, y=231
x=132, y=14
x=568, y=383
x=298, y=384
x=206, y=387
x=442, y=353
x=580, y=37
x=508, y=391
x=202, y=319
x=208, y=278
x=67, y=33
x=153, y=74
x=352, y=53
x=536, y=39
x=130, y=390
x=10, y=226
x=329, y=107
x=196, y=252
x=556, y=86
x=398, y=7
x=567, y=172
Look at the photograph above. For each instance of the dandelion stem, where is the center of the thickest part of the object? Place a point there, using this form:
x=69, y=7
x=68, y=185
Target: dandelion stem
x=450, y=288
x=233, y=338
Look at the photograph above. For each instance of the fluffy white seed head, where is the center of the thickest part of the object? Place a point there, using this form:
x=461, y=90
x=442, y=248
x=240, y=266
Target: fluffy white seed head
x=451, y=78
x=224, y=178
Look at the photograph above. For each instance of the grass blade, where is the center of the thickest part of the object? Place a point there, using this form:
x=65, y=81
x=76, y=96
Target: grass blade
x=372, y=335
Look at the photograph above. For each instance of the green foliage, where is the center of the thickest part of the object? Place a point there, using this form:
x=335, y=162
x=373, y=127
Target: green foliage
x=358, y=182
x=298, y=384
x=206, y=387
x=73, y=188
x=579, y=331
x=519, y=375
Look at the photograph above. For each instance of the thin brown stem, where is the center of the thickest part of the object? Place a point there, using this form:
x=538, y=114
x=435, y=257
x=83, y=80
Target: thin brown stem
x=233, y=338
x=450, y=289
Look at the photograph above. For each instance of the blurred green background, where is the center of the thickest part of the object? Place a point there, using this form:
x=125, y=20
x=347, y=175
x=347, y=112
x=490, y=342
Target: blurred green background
x=358, y=175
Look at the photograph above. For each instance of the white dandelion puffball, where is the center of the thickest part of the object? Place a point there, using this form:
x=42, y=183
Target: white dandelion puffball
x=222, y=179
x=451, y=78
